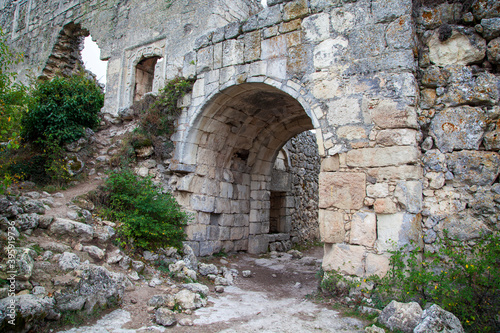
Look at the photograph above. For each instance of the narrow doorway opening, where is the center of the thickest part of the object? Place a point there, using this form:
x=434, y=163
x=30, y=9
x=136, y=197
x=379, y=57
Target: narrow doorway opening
x=144, y=77
x=277, y=213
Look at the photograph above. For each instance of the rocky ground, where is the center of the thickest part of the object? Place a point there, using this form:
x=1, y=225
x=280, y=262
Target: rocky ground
x=66, y=262
x=273, y=298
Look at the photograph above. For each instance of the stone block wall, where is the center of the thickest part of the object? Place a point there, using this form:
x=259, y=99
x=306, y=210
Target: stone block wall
x=459, y=81
x=403, y=97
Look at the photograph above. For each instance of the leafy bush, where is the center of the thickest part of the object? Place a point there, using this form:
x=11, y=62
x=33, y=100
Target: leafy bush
x=12, y=104
x=159, y=117
x=12, y=95
x=60, y=109
x=156, y=117
x=461, y=278
x=149, y=218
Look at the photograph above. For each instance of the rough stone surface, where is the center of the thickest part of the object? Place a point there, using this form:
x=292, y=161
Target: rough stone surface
x=29, y=311
x=69, y=228
x=459, y=49
x=346, y=259
x=402, y=316
x=474, y=167
x=435, y=319
x=342, y=190
x=165, y=317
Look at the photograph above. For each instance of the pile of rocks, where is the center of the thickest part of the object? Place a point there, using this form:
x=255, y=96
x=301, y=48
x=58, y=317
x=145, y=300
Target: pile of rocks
x=62, y=265
x=410, y=318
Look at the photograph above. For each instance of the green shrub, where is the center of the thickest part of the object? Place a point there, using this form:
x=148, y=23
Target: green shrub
x=60, y=109
x=149, y=218
x=12, y=94
x=156, y=117
x=461, y=278
x=159, y=117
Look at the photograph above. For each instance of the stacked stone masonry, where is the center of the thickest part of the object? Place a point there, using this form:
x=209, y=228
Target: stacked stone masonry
x=403, y=97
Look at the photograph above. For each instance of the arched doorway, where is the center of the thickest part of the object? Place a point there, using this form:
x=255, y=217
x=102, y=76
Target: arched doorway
x=229, y=153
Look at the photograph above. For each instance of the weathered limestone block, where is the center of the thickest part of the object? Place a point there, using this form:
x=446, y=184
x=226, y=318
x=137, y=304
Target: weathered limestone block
x=462, y=48
x=257, y=244
x=68, y=228
x=196, y=232
x=389, y=10
x=485, y=9
x=316, y=27
x=399, y=34
x=466, y=88
x=397, y=230
x=491, y=27
x=434, y=160
x=401, y=316
x=352, y=133
x=377, y=264
x=434, y=77
x=458, y=128
x=295, y=10
x=473, y=167
x=463, y=227
x=379, y=157
x=492, y=140
x=433, y=17
x=203, y=203
x=331, y=226
x=387, y=114
x=232, y=52
x=378, y=190
x=274, y=47
x=427, y=98
x=494, y=51
x=385, y=206
x=436, y=180
x=409, y=195
x=252, y=46
x=341, y=20
x=397, y=137
x=368, y=41
x=345, y=259
x=436, y=319
x=363, y=229
x=345, y=190
x=205, y=59
x=403, y=172
x=329, y=51
x=330, y=163
x=298, y=59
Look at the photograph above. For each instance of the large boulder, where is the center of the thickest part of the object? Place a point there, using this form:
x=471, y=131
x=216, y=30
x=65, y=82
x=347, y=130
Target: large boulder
x=437, y=320
x=71, y=229
x=69, y=261
x=165, y=317
x=27, y=221
x=401, y=316
x=96, y=286
x=189, y=300
x=22, y=313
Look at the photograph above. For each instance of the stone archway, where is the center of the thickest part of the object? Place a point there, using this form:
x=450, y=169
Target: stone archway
x=226, y=171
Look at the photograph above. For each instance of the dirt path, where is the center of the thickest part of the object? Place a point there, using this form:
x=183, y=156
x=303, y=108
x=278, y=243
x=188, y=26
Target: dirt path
x=273, y=299
x=60, y=208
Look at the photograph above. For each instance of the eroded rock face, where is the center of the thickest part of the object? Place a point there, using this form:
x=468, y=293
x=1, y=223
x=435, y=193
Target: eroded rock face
x=458, y=128
x=402, y=316
x=435, y=319
x=463, y=47
x=27, y=310
x=95, y=286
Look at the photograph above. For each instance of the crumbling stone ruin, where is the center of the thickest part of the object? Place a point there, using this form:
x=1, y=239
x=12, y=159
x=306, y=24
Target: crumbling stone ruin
x=402, y=95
